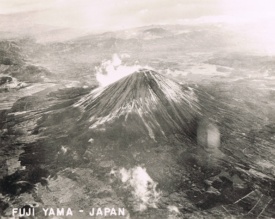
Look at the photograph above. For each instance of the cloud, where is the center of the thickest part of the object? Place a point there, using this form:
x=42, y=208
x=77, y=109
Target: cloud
x=105, y=14
x=17, y=6
x=248, y=11
x=143, y=187
x=113, y=70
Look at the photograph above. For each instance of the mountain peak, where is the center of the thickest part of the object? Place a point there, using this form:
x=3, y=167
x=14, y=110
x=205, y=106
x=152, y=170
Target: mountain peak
x=161, y=105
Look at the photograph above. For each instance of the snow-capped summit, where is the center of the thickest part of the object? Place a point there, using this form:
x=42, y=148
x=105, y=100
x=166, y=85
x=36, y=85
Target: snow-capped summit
x=149, y=101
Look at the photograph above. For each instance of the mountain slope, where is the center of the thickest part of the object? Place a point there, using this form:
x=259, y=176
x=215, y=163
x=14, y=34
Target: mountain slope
x=122, y=128
x=161, y=105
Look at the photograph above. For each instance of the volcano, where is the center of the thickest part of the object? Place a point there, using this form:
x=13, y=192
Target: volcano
x=144, y=132
x=141, y=111
x=144, y=102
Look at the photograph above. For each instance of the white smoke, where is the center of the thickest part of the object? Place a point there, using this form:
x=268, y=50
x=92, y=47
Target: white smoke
x=112, y=70
x=143, y=187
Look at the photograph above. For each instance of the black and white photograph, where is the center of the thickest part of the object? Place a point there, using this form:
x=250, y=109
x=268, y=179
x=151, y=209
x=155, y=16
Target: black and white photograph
x=137, y=109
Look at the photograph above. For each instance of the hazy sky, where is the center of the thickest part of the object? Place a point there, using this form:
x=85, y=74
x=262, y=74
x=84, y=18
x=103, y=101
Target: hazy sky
x=102, y=15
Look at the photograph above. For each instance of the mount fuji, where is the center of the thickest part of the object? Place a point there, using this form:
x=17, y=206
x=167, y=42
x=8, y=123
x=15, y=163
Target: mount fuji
x=144, y=103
